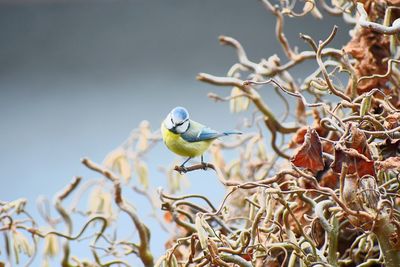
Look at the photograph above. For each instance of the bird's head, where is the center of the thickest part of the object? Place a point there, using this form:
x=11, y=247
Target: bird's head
x=177, y=120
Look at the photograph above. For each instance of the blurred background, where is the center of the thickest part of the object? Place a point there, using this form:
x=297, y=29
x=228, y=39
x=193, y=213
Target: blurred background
x=76, y=76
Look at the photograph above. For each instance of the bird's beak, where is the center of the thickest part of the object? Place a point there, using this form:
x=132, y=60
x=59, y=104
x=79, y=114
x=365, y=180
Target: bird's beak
x=173, y=129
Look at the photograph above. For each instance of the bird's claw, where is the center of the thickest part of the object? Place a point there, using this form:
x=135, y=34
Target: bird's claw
x=182, y=169
x=205, y=165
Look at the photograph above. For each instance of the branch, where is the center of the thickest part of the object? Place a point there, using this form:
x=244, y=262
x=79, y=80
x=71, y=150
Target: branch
x=66, y=216
x=144, y=249
x=226, y=40
x=201, y=166
x=253, y=96
x=363, y=20
x=322, y=66
x=389, y=70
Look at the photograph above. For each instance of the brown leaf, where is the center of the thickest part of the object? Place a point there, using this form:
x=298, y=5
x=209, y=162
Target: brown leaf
x=309, y=155
x=298, y=137
x=299, y=212
x=369, y=48
x=168, y=216
x=389, y=148
x=389, y=163
x=356, y=154
x=356, y=162
x=322, y=131
x=359, y=142
x=301, y=112
x=392, y=121
x=329, y=179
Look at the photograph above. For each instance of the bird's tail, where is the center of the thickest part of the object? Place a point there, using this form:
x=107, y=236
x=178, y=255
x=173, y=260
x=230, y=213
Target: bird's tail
x=231, y=132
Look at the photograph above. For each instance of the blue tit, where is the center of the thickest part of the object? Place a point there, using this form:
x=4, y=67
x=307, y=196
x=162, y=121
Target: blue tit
x=186, y=137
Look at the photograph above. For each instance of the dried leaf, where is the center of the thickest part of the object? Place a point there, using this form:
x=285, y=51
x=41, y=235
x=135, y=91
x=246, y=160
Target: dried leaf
x=301, y=112
x=51, y=246
x=309, y=155
x=145, y=132
x=238, y=103
x=118, y=162
x=168, y=216
x=21, y=245
x=368, y=193
x=124, y=168
x=389, y=163
x=369, y=48
x=298, y=137
x=202, y=233
x=365, y=105
x=45, y=263
x=142, y=173
x=356, y=162
x=315, y=12
x=176, y=180
x=100, y=202
x=329, y=179
x=359, y=142
x=389, y=148
x=356, y=154
x=392, y=121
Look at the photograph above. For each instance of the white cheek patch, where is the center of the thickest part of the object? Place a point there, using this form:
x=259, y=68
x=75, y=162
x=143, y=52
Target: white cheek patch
x=168, y=123
x=183, y=128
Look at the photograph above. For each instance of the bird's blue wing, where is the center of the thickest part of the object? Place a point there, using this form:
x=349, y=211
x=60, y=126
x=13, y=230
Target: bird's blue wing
x=198, y=132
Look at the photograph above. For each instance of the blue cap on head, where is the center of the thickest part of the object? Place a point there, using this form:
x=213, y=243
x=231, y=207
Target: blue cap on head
x=179, y=114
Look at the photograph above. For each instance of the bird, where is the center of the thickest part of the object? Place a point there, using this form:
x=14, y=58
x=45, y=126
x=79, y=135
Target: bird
x=186, y=137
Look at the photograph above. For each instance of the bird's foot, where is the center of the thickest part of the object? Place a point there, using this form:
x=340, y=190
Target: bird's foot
x=205, y=165
x=182, y=169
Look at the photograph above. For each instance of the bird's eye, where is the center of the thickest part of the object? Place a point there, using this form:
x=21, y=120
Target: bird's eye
x=181, y=123
x=182, y=127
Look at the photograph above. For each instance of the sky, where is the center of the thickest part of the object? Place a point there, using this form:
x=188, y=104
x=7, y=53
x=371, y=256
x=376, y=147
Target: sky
x=77, y=76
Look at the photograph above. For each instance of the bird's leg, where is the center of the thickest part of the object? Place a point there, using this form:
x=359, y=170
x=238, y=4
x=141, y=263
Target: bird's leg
x=183, y=164
x=203, y=163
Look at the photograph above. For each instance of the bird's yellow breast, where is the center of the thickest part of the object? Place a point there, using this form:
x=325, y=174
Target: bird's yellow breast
x=179, y=146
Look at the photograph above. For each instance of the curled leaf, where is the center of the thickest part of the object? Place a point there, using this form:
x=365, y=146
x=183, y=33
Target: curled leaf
x=238, y=103
x=369, y=48
x=389, y=148
x=100, y=202
x=51, y=246
x=142, y=173
x=392, y=120
x=176, y=181
x=202, y=233
x=123, y=167
x=356, y=154
x=365, y=105
x=143, y=140
x=309, y=155
x=118, y=162
x=21, y=245
x=368, y=192
x=392, y=163
x=356, y=162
